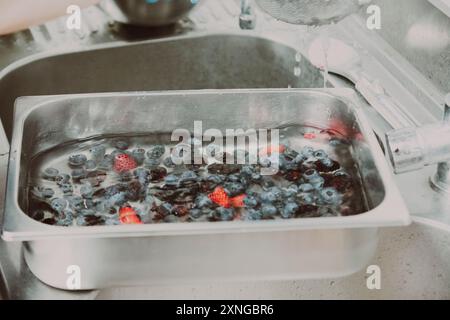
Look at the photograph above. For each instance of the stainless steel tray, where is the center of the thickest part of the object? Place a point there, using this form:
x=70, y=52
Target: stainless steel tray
x=155, y=253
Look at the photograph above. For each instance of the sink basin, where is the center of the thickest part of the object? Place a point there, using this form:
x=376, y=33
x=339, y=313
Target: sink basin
x=218, y=61
x=413, y=262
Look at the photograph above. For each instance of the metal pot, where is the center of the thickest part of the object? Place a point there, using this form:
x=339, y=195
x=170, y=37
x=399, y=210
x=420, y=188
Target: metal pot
x=148, y=12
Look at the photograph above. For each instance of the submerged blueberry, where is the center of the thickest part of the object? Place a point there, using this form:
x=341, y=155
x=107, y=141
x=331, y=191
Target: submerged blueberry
x=97, y=153
x=320, y=155
x=250, y=201
x=331, y=196
x=225, y=214
x=156, y=152
x=151, y=162
x=78, y=174
x=289, y=210
x=59, y=204
x=67, y=188
x=138, y=155
x=121, y=144
x=188, y=176
x=50, y=173
x=195, y=213
x=202, y=201
x=268, y=211
x=253, y=214
x=77, y=160
x=62, y=178
x=87, y=191
x=168, y=162
x=90, y=165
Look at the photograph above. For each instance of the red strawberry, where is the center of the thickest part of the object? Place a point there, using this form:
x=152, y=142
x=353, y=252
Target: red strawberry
x=124, y=162
x=310, y=136
x=220, y=197
x=238, y=201
x=127, y=215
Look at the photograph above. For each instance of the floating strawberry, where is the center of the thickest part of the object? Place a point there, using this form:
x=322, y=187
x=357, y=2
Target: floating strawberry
x=220, y=197
x=238, y=201
x=127, y=215
x=124, y=162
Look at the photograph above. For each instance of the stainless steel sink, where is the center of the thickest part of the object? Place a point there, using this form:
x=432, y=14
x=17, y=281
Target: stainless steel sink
x=217, y=61
x=414, y=260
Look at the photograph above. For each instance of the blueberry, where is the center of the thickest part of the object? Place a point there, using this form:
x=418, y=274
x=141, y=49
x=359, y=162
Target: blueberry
x=299, y=159
x=87, y=191
x=290, y=153
x=151, y=162
x=97, y=153
x=307, y=152
x=78, y=174
x=105, y=165
x=306, y=198
x=90, y=165
x=247, y=171
x=225, y=214
x=62, y=178
x=75, y=202
x=330, y=196
x=306, y=187
x=121, y=145
x=285, y=164
x=165, y=209
x=157, y=174
x=171, y=180
x=291, y=191
x=289, y=210
x=310, y=174
x=168, y=162
x=117, y=199
x=77, y=160
x=195, y=213
x=188, y=176
x=320, y=154
x=214, y=178
x=267, y=182
x=143, y=175
x=138, y=155
x=234, y=188
x=156, y=152
x=67, y=188
x=59, y=204
x=268, y=211
x=268, y=197
x=125, y=176
x=113, y=190
x=203, y=201
x=48, y=193
x=256, y=177
x=317, y=182
x=250, y=201
x=50, y=174
x=253, y=214
x=233, y=178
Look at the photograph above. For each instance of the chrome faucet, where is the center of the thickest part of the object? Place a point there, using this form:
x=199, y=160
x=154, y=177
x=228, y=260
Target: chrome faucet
x=413, y=148
x=247, y=18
